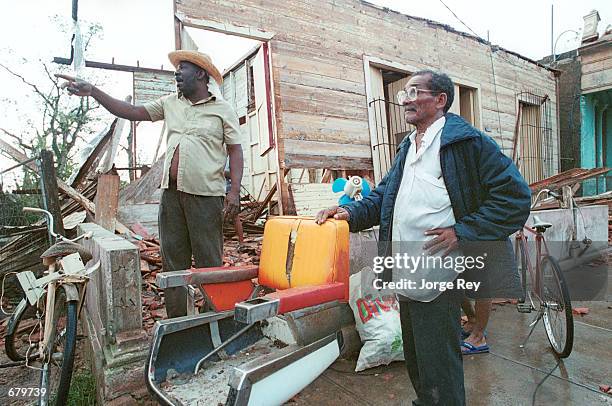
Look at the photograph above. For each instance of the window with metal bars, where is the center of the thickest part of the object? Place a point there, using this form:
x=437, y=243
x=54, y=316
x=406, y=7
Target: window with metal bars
x=534, y=149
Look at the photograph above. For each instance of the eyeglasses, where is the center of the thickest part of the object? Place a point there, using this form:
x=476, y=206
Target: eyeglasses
x=411, y=94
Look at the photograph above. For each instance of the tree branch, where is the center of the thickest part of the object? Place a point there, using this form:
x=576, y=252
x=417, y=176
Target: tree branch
x=33, y=86
x=19, y=140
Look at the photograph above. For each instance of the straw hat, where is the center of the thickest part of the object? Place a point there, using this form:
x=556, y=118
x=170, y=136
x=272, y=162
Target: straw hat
x=197, y=58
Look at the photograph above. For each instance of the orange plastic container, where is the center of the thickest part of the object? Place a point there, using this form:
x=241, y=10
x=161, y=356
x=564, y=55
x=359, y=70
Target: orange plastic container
x=298, y=252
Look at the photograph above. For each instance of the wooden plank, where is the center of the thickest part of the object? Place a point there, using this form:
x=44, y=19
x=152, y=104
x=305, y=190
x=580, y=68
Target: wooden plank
x=50, y=190
x=151, y=86
x=66, y=189
x=145, y=214
x=107, y=201
x=112, y=66
x=322, y=82
x=324, y=161
x=143, y=190
x=569, y=177
x=310, y=127
x=91, y=163
x=311, y=197
x=264, y=203
x=329, y=149
x=111, y=152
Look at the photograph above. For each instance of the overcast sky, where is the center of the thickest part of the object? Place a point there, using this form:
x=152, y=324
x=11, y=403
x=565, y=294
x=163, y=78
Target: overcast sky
x=142, y=30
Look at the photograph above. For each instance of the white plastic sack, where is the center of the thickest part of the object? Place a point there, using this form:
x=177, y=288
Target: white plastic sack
x=378, y=323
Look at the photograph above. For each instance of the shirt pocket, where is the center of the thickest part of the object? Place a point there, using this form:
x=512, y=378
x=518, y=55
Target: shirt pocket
x=208, y=128
x=434, y=191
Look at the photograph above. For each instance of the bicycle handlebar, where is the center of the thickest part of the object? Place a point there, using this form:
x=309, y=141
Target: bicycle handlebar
x=549, y=192
x=47, y=215
x=50, y=225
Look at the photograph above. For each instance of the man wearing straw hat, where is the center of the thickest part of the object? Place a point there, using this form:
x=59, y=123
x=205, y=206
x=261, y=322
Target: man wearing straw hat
x=201, y=127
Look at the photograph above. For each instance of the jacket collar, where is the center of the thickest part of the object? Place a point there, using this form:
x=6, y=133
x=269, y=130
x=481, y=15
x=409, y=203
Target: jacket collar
x=455, y=129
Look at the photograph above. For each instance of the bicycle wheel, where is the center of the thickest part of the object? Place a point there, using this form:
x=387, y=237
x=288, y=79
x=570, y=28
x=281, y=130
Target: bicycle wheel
x=557, y=315
x=24, y=331
x=59, y=360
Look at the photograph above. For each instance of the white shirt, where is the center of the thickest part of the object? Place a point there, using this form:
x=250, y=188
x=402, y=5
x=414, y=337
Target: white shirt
x=422, y=204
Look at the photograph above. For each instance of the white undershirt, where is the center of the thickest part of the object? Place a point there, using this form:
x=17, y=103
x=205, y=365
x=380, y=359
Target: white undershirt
x=422, y=201
x=422, y=204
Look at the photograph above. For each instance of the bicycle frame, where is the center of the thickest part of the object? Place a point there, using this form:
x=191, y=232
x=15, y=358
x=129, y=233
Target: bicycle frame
x=552, y=310
x=541, y=252
x=73, y=281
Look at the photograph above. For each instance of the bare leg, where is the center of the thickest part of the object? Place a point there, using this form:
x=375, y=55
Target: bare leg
x=468, y=309
x=238, y=229
x=483, y=311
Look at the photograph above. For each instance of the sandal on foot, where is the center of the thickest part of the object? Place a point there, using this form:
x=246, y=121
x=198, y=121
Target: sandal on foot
x=472, y=349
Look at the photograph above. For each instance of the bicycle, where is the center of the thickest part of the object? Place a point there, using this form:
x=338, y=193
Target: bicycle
x=545, y=290
x=43, y=328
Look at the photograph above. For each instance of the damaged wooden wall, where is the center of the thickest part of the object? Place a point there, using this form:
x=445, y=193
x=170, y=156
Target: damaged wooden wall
x=318, y=51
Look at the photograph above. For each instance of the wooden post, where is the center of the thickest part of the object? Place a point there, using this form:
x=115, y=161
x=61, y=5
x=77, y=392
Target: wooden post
x=48, y=182
x=107, y=200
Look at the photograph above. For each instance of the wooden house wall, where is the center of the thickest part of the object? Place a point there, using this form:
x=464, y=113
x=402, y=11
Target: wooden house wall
x=151, y=86
x=319, y=79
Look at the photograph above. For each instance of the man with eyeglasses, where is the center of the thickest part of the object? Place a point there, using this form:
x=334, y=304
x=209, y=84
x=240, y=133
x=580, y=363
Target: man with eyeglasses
x=449, y=184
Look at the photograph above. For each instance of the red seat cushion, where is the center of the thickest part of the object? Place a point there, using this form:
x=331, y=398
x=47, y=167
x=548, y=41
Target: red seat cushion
x=306, y=296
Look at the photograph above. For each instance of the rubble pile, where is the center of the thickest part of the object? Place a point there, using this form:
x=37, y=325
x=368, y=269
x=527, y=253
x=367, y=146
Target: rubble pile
x=234, y=254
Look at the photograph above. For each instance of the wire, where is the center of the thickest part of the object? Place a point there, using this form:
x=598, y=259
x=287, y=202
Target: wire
x=501, y=135
x=39, y=316
x=350, y=372
x=466, y=26
x=533, y=398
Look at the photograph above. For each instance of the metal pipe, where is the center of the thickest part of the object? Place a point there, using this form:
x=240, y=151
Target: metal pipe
x=75, y=9
x=222, y=346
x=552, y=30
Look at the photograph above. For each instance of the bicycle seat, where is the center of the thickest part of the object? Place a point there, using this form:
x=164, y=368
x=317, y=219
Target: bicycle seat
x=539, y=223
x=63, y=248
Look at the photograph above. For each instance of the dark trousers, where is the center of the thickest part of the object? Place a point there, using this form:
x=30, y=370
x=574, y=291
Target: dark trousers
x=189, y=225
x=431, y=334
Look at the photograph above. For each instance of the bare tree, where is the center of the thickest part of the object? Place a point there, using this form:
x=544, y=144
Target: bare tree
x=62, y=119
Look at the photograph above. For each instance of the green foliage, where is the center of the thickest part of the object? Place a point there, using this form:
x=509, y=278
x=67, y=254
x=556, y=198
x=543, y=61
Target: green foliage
x=82, y=390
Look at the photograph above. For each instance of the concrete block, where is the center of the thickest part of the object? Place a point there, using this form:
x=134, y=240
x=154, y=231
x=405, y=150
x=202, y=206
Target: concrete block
x=112, y=319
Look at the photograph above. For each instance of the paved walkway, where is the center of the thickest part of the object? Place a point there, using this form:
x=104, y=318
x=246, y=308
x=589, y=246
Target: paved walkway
x=508, y=375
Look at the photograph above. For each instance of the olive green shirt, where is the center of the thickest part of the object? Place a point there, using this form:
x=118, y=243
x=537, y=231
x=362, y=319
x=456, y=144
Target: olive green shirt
x=200, y=131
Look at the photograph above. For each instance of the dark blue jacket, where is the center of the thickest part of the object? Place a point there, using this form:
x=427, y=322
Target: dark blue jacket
x=490, y=199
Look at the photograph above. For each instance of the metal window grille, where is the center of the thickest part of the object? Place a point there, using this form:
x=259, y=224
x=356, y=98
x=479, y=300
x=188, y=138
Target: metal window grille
x=390, y=128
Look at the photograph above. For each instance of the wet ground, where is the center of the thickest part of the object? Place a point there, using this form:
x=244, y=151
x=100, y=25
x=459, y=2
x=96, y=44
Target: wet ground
x=508, y=375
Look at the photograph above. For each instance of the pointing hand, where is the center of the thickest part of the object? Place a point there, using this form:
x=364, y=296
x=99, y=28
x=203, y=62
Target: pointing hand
x=76, y=86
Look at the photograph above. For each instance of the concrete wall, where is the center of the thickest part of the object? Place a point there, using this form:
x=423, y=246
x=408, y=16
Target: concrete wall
x=569, y=111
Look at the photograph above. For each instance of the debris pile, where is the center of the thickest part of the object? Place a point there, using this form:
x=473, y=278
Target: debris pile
x=574, y=178
x=234, y=254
